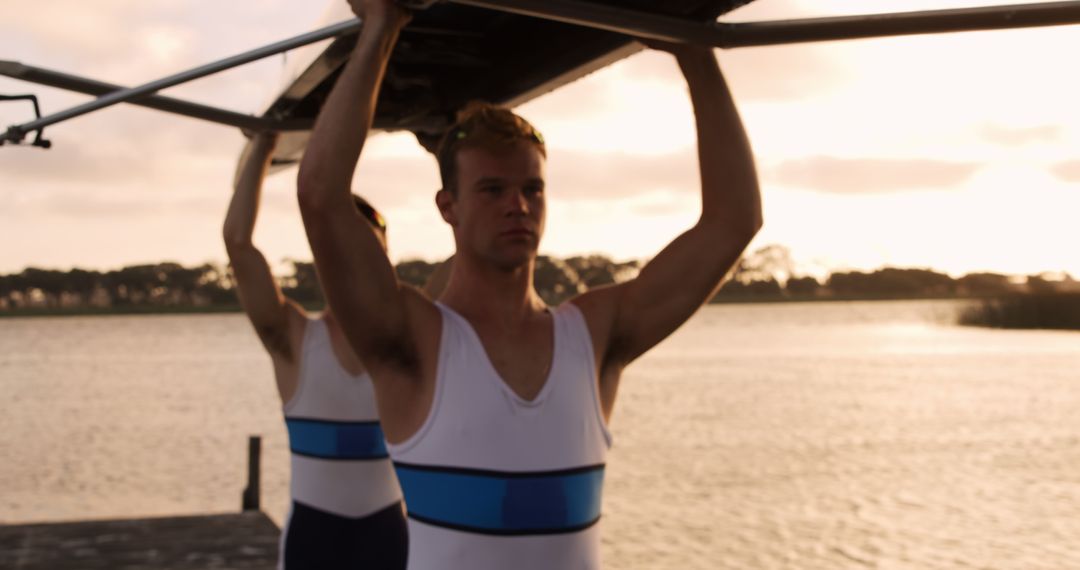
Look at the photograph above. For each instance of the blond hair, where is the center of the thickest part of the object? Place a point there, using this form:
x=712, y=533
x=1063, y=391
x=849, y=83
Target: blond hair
x=486, y=126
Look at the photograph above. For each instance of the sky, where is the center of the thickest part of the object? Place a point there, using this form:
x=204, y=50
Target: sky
x=957, y=152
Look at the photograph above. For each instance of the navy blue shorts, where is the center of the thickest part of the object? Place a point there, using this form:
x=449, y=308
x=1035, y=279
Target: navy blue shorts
x=319, y=540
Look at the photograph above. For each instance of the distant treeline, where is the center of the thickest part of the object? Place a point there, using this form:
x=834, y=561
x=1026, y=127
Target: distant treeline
x=764, y=275
x=172, y=287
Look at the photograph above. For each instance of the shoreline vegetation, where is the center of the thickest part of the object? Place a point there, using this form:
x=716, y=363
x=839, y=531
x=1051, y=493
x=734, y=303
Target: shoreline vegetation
x=766, y=275
x=1047, y=310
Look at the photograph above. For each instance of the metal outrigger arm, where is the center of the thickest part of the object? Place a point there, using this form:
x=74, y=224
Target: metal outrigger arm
x=160, y=102
x=16, y=133
x=39, y=140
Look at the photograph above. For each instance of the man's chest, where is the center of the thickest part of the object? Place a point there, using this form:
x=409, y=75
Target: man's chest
x=522, y=358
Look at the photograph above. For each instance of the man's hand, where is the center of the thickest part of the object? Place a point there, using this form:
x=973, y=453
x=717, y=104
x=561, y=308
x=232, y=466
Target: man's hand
x=264, y=142
x=253, y=133
x=385, y=11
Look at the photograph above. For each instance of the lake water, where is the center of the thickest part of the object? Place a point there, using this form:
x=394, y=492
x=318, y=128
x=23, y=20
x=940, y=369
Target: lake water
x=786, y=436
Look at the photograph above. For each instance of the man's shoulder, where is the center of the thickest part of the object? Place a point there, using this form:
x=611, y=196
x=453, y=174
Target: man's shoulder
x=422, y=309
x=297, y=315
x=599, y=302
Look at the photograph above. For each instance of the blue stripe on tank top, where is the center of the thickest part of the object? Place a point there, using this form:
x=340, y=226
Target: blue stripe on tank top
x=503, y=503
x=336, y=440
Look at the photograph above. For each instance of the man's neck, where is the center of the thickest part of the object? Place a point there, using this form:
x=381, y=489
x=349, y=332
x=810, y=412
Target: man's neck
x=481, y=291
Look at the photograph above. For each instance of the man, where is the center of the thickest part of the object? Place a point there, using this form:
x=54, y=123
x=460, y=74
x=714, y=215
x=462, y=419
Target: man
x=494, y=405
x=346, y=504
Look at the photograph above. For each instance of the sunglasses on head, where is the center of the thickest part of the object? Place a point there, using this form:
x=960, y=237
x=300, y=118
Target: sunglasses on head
x=372, y=215
x=461, y=134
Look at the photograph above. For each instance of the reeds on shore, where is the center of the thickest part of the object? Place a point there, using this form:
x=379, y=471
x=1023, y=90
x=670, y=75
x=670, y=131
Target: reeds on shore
x=1049, y=310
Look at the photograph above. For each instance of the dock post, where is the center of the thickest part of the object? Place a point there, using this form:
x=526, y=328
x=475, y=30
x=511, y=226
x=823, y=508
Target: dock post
x=250, y=500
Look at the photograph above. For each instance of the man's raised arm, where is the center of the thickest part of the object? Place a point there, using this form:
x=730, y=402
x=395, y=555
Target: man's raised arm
x=270, y=312
x=628, y=319
x=357, y=278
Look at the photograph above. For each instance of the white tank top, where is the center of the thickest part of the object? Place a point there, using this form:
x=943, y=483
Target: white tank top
x=339, y=459
x=495, y=482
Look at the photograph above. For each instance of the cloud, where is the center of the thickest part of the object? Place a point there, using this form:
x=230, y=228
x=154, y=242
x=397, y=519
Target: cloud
x=395, y=182
x=77, y=31
x=593, y=111
x=392, y=182
x=129, y=42
x=869, y=175
x=122, y=145
x=660, y=205
x=1016, y=136
x=761, y=74
x=119, y=165
x=1068, y=171
x=119, y=205
x=411, y=181
x=783, y=73
x=88, y=31
x=591, y=176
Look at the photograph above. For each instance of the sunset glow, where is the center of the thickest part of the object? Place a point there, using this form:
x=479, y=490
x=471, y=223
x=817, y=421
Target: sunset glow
x=956, y=152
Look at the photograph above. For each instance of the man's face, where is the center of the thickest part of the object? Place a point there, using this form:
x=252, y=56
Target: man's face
x=498, y=213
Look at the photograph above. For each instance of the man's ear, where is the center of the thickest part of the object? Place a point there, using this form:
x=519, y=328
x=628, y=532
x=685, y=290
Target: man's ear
x=444, y=200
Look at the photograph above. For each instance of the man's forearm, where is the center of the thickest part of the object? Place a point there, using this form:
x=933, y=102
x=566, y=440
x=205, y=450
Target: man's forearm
x=357, y=278
x=730, y=192
x=244, y=206
x=346, y=117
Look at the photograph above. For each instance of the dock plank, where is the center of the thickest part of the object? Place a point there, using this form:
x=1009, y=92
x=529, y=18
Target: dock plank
x=247, y=540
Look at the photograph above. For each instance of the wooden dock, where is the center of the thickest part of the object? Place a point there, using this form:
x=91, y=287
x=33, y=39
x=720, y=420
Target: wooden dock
x=247, y=540
x=244, y=540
